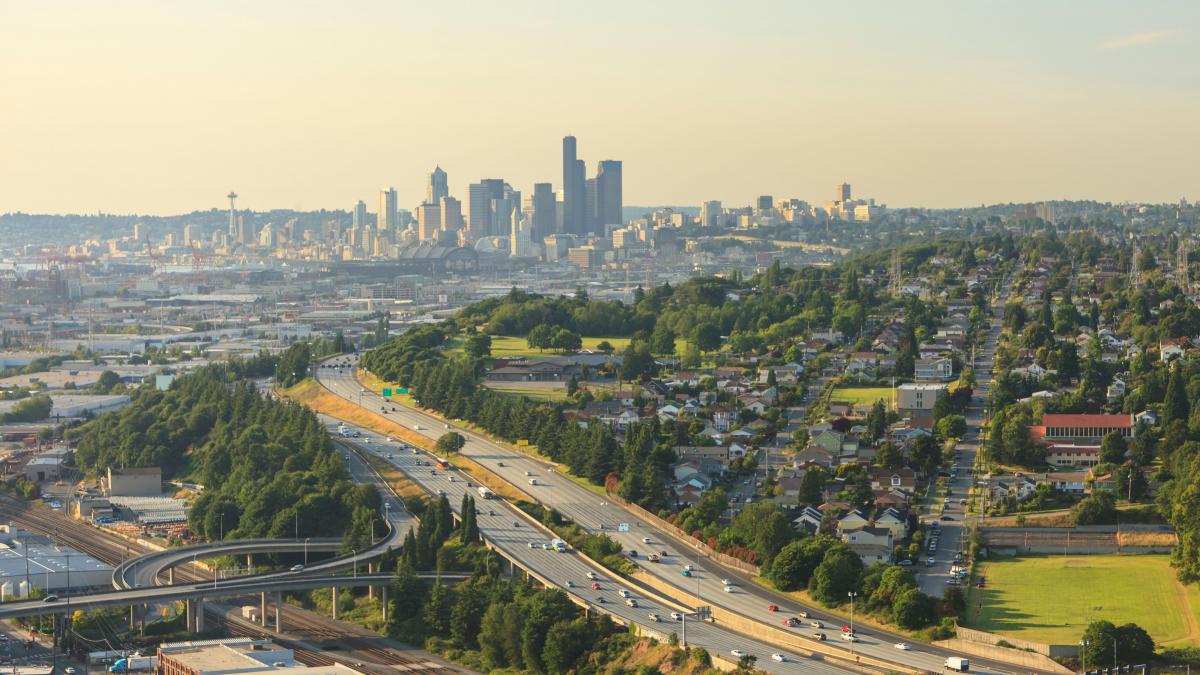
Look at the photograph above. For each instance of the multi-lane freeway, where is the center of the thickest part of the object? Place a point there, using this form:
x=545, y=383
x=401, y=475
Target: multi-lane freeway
x=597, y=514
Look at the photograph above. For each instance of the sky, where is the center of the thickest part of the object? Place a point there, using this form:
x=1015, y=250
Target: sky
x=163, y=107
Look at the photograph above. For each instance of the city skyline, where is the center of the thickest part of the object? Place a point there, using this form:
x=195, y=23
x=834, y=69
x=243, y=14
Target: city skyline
x=952, y=106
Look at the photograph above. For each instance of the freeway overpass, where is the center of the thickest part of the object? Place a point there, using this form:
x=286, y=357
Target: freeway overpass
x=145, y=570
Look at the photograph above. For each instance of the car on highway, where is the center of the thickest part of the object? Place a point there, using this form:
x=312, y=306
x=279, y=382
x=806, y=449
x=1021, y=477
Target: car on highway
x=595, y=585
x=533, y=544
x=686, y=573
x=631, y=602
x=729, y=589
x=500, y=464
x=737, y=652
x=931, y=561
x=655, y=618
x=818, y=636
x=591, y=575
x=772, y=608
x=727, y=582
x=50, y=598
x=677, y=616
x=778, y=657
x=802, y=615
x=687, y=567
x=601, y=600
x=570, y=584
x=297, y=568
x=623, y=593
x=790, y=622
x=816, y=624
x=645, y=540
x=849, y=637
x=903, y=646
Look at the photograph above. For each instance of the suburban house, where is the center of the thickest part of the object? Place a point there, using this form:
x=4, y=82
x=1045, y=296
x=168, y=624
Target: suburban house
x=901, y=479
x=916, y=400
x=852, y=520
x=934, y=370
x=809, y=520
x=894, y=521
x=872, y=544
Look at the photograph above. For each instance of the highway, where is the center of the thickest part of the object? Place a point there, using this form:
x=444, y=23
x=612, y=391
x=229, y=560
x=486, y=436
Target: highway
x=510, y=530
x=597, y=514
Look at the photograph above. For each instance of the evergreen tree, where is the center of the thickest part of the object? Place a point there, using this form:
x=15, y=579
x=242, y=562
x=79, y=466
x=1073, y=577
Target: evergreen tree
x=1175, y=403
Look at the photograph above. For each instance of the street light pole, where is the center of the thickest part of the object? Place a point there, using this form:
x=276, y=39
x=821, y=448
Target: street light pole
x=851, y=595
x=306, y=550
x=1083, y=653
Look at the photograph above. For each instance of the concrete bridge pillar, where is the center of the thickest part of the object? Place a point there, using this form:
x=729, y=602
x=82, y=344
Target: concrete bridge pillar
x=370, y=589
x=335, y=602
x=250, y=563
x=190, y=614
x=199, y=615
x=262, y=610
x=278, y=612
x=383, y=603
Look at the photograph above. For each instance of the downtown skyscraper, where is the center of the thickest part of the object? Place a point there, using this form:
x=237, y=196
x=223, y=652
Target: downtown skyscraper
x=575, y=214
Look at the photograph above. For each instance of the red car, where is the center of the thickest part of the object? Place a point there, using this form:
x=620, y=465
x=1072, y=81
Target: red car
x=772, y=608
x=846, y=629
x=595, y=586
x=791, y=623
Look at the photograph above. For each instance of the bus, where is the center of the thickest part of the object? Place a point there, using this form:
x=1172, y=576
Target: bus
x=442, y=464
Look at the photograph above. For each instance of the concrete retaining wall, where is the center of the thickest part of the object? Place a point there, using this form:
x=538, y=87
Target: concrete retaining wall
x=1042, y=648
x=1016, y=657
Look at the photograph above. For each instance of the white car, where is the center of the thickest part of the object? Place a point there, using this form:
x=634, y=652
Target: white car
x=727, y=582
x=849, y=637
x=677, y=616
x=903, y=646
x=737, y=652
x=729, y=589
x=623, y=593
x=591, y=575
x=655, y=618
x=645, y=540
x=778, y=657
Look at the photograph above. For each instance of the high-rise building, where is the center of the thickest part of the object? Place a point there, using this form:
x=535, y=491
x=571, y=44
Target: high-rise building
x=245, y=231
x=575, y=212
x=520, y=239
x=765, y=203
x=386, y=219
x=359, y=219
x=544, y=206
x=452, y=218
x=842, y=193
x=438, y=187
x=139, y=233
x=590, y=206
x=710, y=213
x=189, y=234
x=429, y=221
x=481, y=209
x=609, y=201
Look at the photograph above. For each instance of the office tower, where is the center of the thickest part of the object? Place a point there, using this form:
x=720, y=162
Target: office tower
x=266, y=238
x=244, y=234
x=387, y=210
x=139, y=232
x=189, y=232
x=609, y=202
x=359, y=218
x=842, y=193
x=544, y=206
x=710, y=213
x=232, y=211
x=520, y=240
x=505, y=211
x=452, y=218
x=765, y=203
x=429, y=221
x=575, y=218
x=590, y=220
x=481, y=210
x=438, y=186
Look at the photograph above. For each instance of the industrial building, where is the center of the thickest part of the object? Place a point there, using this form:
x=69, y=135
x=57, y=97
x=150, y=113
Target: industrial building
x=235, y=655
x=29, y=561
x=145, y=481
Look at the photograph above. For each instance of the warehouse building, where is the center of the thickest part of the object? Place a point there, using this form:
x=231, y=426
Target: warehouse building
x=230, y=656
x=29, y=561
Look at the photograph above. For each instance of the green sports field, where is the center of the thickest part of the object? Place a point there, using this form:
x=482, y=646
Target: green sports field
x=1053, y=598
x=505, y=345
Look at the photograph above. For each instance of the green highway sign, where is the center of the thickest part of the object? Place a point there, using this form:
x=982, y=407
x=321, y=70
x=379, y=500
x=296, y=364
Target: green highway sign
x=387, y=391
x=403, y=391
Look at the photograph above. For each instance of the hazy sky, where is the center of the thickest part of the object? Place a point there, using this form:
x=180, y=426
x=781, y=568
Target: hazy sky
x=163, y=107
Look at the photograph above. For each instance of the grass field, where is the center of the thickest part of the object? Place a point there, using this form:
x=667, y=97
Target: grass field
x=538, y=392
x=505, y=345
x=857, y=395
x=1053, y=598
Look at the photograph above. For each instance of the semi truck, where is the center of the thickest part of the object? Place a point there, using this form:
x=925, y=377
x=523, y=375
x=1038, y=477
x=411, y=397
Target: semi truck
x=958, y=663
x=132, y=664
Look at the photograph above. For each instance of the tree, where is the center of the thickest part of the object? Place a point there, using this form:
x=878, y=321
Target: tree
x=876, y=422
x=1130, y=644
x=478, y=345
x=468, y=527
x=913, y=609
x=890, y=456
x=706, y=336
x=566, y=641
x=812, y=486
x=450, y=442
x=293, y=365
x=542, y=336
x=837, y=575
x=635, y=362
x=107, y=381
x=1112, y=448
x=566, y=341
x=1098, y=508
x=1175, y=403
x=952, y=426
x=606, y=347
x=793, y=567
x=662, y=339
x=1127, y=473
x=467, y=615
x=438, y=606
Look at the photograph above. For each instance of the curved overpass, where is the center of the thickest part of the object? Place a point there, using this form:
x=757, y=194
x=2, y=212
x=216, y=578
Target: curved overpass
x=144, y=570
x=204, y=590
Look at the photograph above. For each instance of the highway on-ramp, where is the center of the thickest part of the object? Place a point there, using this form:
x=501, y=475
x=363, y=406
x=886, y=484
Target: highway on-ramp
x=595, y=513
